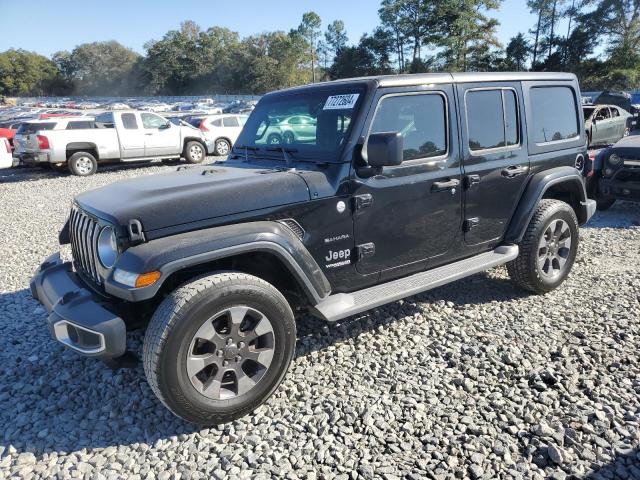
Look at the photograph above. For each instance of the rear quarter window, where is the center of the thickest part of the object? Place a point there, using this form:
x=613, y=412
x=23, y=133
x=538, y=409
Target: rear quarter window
x=554, y=111
x=29, y=128
x=80, y=125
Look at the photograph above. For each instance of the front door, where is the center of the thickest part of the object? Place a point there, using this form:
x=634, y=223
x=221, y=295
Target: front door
x=161, y=136
x=410, y=214
x=495, y=163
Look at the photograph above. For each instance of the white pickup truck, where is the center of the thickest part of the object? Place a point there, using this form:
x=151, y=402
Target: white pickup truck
x=111, y=136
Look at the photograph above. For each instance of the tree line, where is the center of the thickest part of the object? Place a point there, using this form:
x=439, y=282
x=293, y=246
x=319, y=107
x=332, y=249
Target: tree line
x=599, y=40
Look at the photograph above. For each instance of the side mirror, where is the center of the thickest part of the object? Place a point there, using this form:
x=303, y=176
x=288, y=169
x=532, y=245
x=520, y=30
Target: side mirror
x=165, y=126
x=385, y=149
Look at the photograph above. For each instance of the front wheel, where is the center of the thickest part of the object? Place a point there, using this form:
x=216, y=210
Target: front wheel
x=548, y=248
x=218, y=347
x=222, y=147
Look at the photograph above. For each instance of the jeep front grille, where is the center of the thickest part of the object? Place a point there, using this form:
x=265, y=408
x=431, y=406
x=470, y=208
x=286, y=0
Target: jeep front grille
x=83, y=232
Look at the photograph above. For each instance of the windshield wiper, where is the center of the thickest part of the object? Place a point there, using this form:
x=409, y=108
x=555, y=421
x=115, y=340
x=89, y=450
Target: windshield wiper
x=285, y=153
x=246, y=150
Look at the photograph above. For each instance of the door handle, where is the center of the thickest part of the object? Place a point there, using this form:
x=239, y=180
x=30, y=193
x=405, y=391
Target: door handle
x=148, y=133
x=445, y=185
x=514, y=171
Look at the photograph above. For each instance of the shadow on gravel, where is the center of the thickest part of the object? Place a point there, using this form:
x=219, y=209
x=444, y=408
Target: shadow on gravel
x=623, y=466
x=622, y=215
x=55, y=400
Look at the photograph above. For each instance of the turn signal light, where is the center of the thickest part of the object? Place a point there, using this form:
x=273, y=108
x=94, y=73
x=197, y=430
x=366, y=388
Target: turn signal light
x=146, y=279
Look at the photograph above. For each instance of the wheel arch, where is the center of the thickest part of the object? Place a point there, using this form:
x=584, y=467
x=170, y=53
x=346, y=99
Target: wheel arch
x=186, y=140
x=268, y=250
x=75, y=147
x=560, y=183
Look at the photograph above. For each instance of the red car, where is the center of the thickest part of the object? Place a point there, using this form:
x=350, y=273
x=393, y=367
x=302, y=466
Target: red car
x=8, y=131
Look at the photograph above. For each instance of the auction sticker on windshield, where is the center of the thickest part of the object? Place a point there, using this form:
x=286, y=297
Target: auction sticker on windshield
x=340, y=102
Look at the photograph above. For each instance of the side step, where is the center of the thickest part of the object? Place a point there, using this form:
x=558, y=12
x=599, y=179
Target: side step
x=342, y=305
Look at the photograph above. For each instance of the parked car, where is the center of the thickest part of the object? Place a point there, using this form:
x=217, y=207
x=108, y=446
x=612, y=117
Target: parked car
x=289, y=130
x=605, y=124
x=616, y=173
x=8, y=130
x=6, y=156
x=213, y=262
x=113, y=136
x=221, y=130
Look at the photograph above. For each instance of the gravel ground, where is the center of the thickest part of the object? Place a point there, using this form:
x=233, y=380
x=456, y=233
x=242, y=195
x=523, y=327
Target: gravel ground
x=475, y=379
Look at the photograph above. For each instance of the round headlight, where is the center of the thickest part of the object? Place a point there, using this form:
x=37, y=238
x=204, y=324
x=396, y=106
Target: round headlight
x=614, y=159
x=107, y=247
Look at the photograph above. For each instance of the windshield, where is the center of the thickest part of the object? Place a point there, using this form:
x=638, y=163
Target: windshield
x=313, y=124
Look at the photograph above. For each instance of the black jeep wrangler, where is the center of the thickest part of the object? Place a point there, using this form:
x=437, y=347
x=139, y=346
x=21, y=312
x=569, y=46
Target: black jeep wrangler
x=337, y=198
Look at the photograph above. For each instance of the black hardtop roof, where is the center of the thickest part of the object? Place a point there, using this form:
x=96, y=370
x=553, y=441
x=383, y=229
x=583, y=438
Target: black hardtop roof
x=415, y=79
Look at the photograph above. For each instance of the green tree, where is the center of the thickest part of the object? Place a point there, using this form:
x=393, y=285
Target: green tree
x=335, y=37
x=517, y=52
x=309, y=29
x=24, y=73
x=370, y=57
x=99, y=68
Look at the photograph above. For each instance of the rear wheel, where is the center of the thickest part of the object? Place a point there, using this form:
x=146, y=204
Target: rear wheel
x=548, y=248
x=222, y=147
x=219, y=346
x=82, y=164
x=194, y=152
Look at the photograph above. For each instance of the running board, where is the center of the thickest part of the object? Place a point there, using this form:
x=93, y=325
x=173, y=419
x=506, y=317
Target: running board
x=342, y=305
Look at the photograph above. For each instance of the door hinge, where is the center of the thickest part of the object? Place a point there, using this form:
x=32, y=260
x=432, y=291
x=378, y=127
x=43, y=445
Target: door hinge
x=470, y=223
x=362, y=201
x=365, y=250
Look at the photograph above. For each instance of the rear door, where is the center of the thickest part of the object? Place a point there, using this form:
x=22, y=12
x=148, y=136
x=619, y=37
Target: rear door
x=495, y=163
x=604, y=127
x=161, y=136
x=131, y=136
x=231, y=127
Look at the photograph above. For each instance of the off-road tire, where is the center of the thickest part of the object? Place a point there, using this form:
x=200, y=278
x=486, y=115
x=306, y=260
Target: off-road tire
x=174, y=324
x=75, y=167
x=524, y=270
x=189, y=154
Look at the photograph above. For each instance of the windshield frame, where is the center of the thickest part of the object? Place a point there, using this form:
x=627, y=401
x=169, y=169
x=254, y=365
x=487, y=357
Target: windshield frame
x=270, y=152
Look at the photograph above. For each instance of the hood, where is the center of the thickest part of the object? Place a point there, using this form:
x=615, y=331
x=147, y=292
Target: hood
x=627, y=147
x=192, y=195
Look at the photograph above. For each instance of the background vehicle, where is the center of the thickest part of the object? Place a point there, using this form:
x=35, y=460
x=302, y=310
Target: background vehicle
x=8, y=130
x=605, y=124
x=220, y=130
x=410, y=182
x=288, y=130
x=81, y=142
x=6, y=156
x=616, y=173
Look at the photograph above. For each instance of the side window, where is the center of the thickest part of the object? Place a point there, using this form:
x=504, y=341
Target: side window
x=614, y=112
x=554, y=113
x=420, y=119
x=217, y=123
x=149, y=120
x=492, y=118
x=230, y=122
x=79, y=125
x=129, y=121
x=104, y=120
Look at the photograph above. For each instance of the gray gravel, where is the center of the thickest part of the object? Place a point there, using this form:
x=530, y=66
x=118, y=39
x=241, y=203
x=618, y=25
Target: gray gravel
x=472, y=380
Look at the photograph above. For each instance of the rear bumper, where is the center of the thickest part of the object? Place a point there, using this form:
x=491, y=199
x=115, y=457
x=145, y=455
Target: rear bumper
x=78, y=318
x=33, y=158
x=620, y=189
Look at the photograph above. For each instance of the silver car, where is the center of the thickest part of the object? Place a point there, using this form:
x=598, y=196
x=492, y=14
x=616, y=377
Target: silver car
x=605, y=124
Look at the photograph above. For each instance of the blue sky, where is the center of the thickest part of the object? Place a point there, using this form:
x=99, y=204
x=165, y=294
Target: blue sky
x=47, y=26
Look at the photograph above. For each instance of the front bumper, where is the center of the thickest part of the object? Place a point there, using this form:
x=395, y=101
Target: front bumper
x=620, y=189
x=78, y=318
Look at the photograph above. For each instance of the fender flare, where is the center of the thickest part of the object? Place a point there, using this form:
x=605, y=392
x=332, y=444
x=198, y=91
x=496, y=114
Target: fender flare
x=171, y=254
x=81, y=146
x=568, y=178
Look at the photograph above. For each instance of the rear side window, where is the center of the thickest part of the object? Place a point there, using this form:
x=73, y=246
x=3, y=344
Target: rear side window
x=614, y=112
x=420, y=119
x=105, y=120
x=554, y=114
x=80, y=125
x=29, y=128
x=217, y=123
x=492, y=119
x=230, y=122
x=129, y=121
